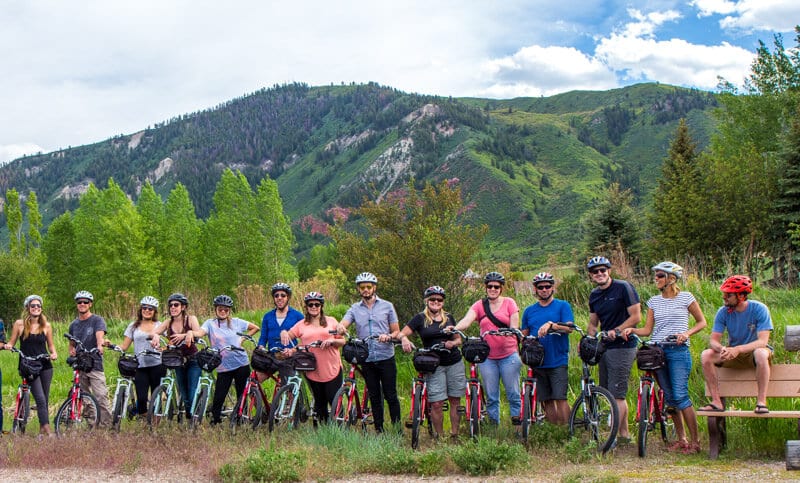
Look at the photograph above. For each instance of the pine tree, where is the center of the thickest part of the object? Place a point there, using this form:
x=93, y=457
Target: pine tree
x=277, y=231
x=181, y=266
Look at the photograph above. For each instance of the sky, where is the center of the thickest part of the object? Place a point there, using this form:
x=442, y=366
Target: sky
x=79, y=72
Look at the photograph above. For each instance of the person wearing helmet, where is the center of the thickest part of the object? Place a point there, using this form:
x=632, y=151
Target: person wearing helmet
x=668, y=316
x=448, y=382
x=91, y=330
x=493, y=312
x=613, y=306
x=150, y=371
x=223, y=330
x=374, y=316
x=179, y=328
x=282, y=317
x=749, y=325
x=35, y=335
x=540, y=319
x=326, y=379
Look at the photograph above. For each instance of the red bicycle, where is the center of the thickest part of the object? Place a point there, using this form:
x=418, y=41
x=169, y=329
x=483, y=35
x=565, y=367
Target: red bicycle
x=348, y=409
x=80, y=411
x=474, y=350
x=22, y=404
x=650, y=402
x=425, y=362
x=253, y=407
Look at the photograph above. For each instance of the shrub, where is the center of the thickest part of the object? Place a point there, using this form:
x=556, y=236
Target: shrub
x=263, y=465
x=488, y=456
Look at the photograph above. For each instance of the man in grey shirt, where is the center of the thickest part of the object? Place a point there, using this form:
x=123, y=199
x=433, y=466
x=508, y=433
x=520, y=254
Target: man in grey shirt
x=375, y=316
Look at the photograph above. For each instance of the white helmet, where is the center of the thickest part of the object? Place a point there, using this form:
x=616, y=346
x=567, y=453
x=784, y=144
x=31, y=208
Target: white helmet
x=84, y=294
x=31, y=298
x=366, y=277
x=149, y=300
x=669, y=268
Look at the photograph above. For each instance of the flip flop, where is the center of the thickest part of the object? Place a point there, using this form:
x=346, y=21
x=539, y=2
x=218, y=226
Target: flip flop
x=712, y=407
x=761, y=409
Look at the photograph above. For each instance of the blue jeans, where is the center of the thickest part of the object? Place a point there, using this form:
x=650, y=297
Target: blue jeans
x=492, y=371
x=674, y=378
x=187, y=377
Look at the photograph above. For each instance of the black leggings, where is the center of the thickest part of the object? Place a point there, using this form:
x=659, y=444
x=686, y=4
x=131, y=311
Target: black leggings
x=323, y=395
x=40, y=389
x=381, y=379
x=239, y=378
x=146, y=380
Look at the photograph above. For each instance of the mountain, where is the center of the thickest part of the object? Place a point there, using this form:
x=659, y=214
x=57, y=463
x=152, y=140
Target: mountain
x=529, y=167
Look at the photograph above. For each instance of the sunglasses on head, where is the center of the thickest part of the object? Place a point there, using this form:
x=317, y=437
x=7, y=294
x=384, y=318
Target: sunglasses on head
x=598, y=270
x=494, y=286
x=313, y=304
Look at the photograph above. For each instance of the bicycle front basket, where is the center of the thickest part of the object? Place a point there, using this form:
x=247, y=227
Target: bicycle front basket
x=475, y=350
x=208, y=359
x=532, y=352
x=426, y=362
x=650, y=358
x=304, y=361
x=355, y=352
x=172, y=359
x=30, y=368
x=127, y=365
x=264, y=361
x=591, y=350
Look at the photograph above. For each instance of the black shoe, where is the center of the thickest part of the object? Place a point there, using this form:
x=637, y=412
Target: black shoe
x=515, y=420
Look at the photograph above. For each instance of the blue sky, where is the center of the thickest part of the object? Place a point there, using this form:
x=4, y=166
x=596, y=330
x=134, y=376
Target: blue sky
x=83, y=71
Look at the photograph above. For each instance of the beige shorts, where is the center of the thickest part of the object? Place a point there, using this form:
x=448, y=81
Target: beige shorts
x=743, y=361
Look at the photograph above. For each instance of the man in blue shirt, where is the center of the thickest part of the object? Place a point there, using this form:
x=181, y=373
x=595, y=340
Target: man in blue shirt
x=282, y=317
x=539, y=319
x=749, y=326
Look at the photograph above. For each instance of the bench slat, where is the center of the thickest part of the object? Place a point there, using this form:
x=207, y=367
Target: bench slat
x=740, y=413
x=784, y=382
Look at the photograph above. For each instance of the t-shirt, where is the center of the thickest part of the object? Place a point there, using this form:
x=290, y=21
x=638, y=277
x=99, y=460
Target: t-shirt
x=500, y=346
x=556, y=346
x=84, y=331
x=373, y=320
x=140, y=343
x=433, y=334
x=611, y=306
x=271, y=328
x=329, y=363
x=743, y=327
x=671, y=315
x=221, y=335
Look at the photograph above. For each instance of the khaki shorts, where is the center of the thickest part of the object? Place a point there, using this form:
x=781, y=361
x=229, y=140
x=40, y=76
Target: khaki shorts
x=742, y=361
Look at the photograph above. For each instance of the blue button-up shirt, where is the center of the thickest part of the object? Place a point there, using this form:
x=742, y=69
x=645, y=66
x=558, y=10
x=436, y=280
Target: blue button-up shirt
x=373, y=321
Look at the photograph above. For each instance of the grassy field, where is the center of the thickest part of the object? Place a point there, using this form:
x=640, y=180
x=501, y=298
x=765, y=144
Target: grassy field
x=329, y=453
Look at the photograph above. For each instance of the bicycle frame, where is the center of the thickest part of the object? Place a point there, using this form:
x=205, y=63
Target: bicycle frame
x=355, y=410
x=475, y=396
x=123, y=390
x=23, y=398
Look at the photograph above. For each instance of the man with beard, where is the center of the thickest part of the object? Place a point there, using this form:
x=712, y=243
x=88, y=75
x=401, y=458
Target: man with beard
x=749, y=325
x=538, y=319
x=282, y=317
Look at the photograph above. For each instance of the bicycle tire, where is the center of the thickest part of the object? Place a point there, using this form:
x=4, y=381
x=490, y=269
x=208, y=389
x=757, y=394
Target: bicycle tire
x=644, y=419
x=340, y=406
x=587, y=420
x=528, y=402
x=82, y=416
x=366, y=413
x=22, y=413
x=416, y=415
x=200, y=409
x=664, y=418
x=251, y=410
x=118, y=411
x=474, y=414
x=283, y=408
x=157, y=409
x=303, y=409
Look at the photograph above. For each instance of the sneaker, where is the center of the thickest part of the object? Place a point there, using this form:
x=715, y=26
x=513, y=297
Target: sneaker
x=515, y=420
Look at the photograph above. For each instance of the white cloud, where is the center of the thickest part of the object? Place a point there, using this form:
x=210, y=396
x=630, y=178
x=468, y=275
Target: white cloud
x=13, y=151
x=750, y=15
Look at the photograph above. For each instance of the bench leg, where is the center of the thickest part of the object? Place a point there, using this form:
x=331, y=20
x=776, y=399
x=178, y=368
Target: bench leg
x=717, y=437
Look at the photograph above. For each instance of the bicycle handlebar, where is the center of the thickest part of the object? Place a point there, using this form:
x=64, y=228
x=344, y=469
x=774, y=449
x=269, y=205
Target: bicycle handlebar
x=669, y=341
x=30, y=358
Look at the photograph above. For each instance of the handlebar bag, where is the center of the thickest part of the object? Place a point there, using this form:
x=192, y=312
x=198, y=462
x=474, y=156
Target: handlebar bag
x=650, y=358
x=208, y=360
x=426, y=362
x=532, y=352
x=265, y=361
x=172, y=359
x=591, y=350
x=304, y=361
x=355, y=352
x=30, y=369
x=475, y=350
x=127, y=365
x=82, y=361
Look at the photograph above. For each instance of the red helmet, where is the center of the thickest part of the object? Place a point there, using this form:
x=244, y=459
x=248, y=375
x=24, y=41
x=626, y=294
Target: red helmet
x=737, y=284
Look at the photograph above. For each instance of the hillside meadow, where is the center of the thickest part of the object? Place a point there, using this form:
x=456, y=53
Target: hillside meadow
x=755, y=447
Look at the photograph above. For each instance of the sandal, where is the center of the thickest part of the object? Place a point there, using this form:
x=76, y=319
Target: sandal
x=678, y=446
x=761, y=409
x=692, y=448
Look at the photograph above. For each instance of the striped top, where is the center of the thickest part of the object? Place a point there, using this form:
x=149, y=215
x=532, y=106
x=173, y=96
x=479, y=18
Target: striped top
x=671, y=315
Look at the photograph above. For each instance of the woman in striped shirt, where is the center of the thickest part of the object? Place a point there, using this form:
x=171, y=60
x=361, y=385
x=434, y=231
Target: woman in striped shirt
x=668, y=315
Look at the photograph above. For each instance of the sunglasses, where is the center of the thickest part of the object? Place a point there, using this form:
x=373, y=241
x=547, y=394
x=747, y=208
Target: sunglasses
x=35, y=306
x=222, y=307
x=313, y=304
x=598, y=270
x=147, y=307
x=544, y=287
x=492, y=286
x=280, y=295
x=175, y=304
x=83, y=302
x=435, y=299
x=661, y=275
x=366, y=286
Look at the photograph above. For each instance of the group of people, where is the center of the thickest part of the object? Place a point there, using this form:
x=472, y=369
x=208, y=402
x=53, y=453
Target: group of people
x=614, y=308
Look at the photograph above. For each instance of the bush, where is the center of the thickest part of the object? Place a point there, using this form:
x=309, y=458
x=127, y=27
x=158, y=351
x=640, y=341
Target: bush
x=488, y=456
x=266, y=465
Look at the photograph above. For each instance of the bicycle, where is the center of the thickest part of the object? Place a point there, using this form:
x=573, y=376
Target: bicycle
x=202, y=394
x=595, y=411
x=475, y=350
x=650, y=410
x=165, y=402
x=347, y=408
x=426, y=362
x=253, y=405
x=22, y=403
x=124, y=402
x=291, y=404
x=80, y=411
x=531, y=411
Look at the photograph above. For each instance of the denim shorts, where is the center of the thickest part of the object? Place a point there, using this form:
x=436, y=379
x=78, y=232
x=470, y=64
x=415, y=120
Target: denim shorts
x=674, y=377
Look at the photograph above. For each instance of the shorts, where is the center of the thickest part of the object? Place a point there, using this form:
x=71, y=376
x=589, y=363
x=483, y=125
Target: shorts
x=746, y=360
x=551, y=383
x=615, y=369
x=447, y=381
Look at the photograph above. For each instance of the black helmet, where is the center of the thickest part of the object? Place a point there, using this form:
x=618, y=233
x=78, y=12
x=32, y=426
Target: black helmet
x=314, y=296
x=598, y=261
x=434, y=290
x=281, y=287
x=179, y=297
x=223, y=301
x=494, y=277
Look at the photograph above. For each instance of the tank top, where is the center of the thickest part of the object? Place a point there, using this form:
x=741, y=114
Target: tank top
x=34, y=345
x=186, y=351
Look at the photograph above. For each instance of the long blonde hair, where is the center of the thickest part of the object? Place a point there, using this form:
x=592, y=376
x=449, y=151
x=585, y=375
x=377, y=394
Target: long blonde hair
x=429, y=317
x=672, y=289
x=27, y=320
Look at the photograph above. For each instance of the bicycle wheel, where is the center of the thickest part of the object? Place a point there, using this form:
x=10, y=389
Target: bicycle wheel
x=644, y=419
x=596, y=419
x=528, y=403
x=416, y=415
x=200, y=409
x=160, y=408
x=82, y=415
x=119, y=410
x=22, y=413
x=474, y=413
x=284, y=407
x=251, y=409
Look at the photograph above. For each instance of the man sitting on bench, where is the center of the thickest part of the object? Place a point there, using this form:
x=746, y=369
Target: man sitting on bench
x=749, y=325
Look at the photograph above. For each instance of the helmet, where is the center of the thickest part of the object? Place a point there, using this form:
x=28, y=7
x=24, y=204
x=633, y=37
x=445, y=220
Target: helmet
x=366, y=277
x=598, y=262
x=280, y=286
x=737, y=284
x=314, y=296
x=149, y=300
x=31, y=298
x=83, y=294
x=669, y=268
x=543, y=277
x=223, y=301
x=433, y=290
x=494, y=277
x=178, y=297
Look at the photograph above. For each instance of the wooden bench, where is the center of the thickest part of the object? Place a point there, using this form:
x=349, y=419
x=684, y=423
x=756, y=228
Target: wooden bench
x=784, y=382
